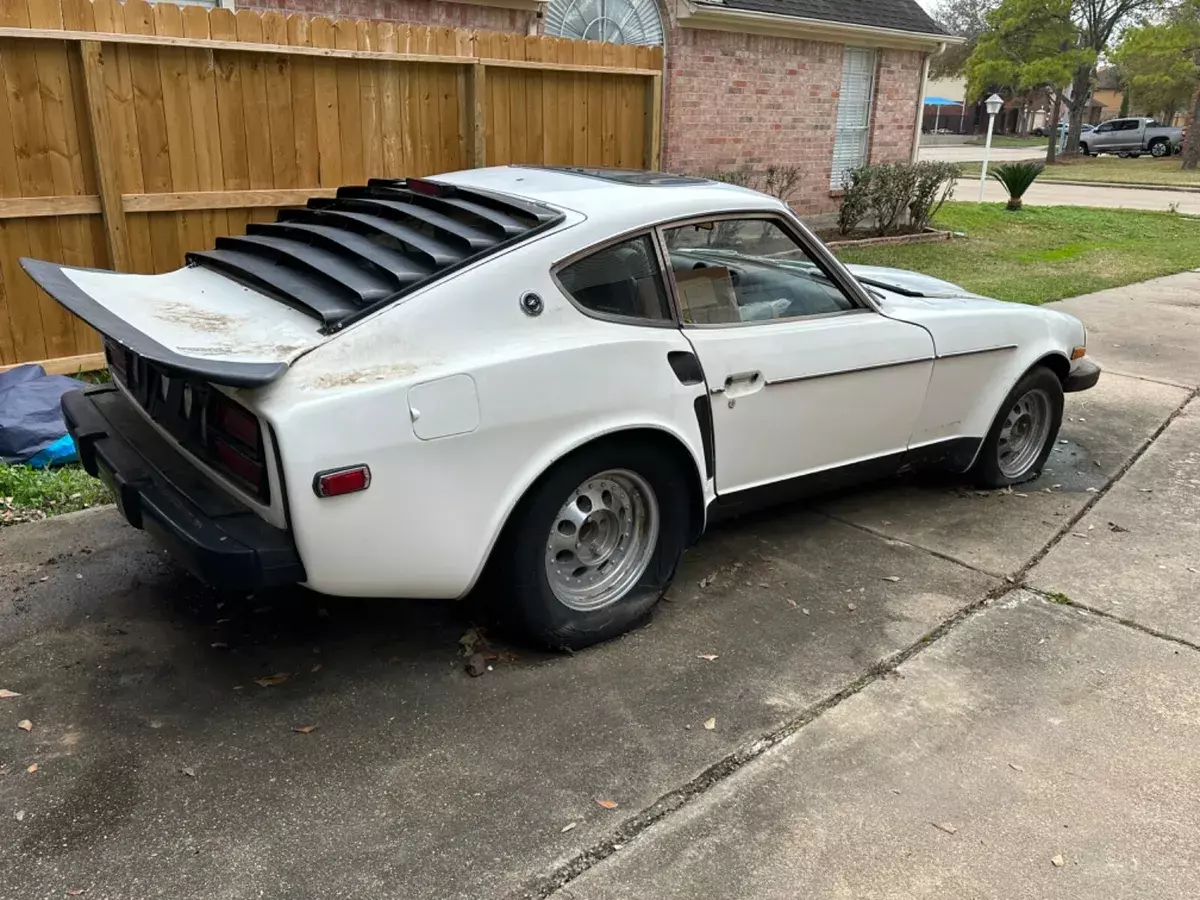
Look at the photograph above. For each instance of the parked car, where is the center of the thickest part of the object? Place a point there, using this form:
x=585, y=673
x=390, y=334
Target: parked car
x=548, y=379
x=1044, y=130
x=1132, y=137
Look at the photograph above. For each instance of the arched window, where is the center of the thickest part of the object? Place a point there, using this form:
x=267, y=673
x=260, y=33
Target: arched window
x=615, y=21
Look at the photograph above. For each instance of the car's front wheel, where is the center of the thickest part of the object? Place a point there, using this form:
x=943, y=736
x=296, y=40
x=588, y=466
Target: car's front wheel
x=595, y=544
x=1023, y=434
x=1083, y=148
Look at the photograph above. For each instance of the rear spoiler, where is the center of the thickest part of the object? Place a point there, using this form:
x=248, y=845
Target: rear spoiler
x=53, y=280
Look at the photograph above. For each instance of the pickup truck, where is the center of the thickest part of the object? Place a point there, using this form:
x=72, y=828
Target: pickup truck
x=1131, y=137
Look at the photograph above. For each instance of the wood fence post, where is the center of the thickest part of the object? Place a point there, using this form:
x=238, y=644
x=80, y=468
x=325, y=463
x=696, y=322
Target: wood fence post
x=654, y=122
x=477, y=114
x=112, y=207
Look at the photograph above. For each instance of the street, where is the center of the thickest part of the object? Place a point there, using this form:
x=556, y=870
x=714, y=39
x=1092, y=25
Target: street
x=914, y=690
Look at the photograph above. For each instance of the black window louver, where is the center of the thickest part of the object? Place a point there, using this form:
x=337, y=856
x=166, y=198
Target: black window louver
x=342, y=257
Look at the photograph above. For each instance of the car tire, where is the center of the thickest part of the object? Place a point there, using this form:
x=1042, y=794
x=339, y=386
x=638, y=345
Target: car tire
x=1023, y=434
x=546, y=601
x=1083, y=148
x=1159, y=149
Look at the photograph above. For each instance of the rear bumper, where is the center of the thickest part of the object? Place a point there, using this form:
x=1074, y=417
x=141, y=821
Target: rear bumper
x=218, y=539
x=1084, y=374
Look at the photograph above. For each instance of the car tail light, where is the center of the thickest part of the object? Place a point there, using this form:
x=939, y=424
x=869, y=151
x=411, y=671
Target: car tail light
x=235, y=445
x=342, y=481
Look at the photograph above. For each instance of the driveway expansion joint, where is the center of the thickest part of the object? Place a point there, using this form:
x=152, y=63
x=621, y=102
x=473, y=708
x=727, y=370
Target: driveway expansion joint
x=1064, y=600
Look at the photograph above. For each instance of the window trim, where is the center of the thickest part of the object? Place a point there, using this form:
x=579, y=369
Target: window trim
x=817, y=252
x=671, y=321
x=869, y=128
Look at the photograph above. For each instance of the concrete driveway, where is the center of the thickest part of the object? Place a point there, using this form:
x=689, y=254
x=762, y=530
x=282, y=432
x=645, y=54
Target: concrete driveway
x=919, y=690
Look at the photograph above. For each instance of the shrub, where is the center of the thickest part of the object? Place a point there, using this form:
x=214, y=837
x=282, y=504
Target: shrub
x=1016, y=178
x=889, y=191
x=892, y=188
x=856, y=198
x=778, y=181
x=935, y=185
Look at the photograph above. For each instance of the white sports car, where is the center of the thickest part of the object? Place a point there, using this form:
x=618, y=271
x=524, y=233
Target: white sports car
x=549, y=378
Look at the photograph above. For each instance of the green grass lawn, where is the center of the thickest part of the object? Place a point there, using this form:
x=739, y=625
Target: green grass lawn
x=1113, y=170
x=1045, y=253
x=27, y=494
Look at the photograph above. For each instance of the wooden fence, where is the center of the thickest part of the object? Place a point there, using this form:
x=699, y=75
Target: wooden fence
x=131, y=133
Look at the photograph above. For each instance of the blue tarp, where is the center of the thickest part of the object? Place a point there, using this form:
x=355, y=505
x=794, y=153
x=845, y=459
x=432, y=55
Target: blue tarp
x=941, y=101
x=31, y=424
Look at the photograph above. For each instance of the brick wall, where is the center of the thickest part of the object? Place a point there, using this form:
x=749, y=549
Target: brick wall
x=746, y=101
x=415, y=12
x=897, y=81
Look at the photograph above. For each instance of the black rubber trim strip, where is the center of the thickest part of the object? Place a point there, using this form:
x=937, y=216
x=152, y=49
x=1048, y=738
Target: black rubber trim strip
x=54, y=281
x=704, y=419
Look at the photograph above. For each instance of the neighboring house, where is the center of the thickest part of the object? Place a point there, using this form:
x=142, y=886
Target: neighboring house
x=820, y=84
x=1109, y=93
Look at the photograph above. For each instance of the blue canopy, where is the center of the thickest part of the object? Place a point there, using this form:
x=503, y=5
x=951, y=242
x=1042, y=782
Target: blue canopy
x=941, y=101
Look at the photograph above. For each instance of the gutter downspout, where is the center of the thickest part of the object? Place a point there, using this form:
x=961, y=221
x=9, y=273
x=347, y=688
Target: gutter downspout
x=916, y=144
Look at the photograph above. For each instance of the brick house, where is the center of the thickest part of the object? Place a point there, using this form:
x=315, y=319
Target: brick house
x=819, y=84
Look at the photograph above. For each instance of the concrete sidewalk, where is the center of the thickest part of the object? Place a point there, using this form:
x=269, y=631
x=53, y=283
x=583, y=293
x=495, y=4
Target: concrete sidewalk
x=1048, y=193
x=164, y=769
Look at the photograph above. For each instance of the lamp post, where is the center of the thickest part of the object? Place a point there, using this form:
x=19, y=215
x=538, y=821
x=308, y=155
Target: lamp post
x=993, y=104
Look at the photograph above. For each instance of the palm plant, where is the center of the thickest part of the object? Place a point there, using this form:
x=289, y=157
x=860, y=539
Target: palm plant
x=1016, y=178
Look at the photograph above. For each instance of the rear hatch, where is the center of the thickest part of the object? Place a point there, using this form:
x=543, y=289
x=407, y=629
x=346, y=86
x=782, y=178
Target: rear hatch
x=240, y=313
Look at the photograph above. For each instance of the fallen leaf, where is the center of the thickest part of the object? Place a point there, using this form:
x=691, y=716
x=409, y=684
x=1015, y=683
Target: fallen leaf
x=946, y=827
x=710, y=724
x=852, y=606
x=804, y=610
x=304, y=729
x=277, y=678
x=5, y=693
x=891, y=578
x=568, y=827
x=1058, y=862
x=1145, y=490
x=790, y=602
x=20, y=815
x=473, y=639
x=1113, y=526
x=25, y=725
x=607, y=804
x=1019, y=494
x=316, y=667
x=76, y=892
x=709, y=656
x=31, y=769
x=188, y=771
x=764, y=584
x=708, y=579
x=1016, y=768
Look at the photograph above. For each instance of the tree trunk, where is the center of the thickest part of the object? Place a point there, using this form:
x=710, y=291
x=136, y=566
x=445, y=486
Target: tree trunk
x=1055, y=105
x=1191, y=147
x=1079, y=91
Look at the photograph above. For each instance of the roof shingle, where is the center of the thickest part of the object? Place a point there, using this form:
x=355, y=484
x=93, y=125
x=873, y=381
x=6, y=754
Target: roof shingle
x=900, y=15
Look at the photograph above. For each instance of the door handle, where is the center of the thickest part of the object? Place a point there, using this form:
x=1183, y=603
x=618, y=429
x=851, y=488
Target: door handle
x=743, y=383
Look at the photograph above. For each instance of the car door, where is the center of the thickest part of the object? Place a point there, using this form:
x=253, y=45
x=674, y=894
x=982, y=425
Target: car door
x=1126, y=135
x=1101, y=140
x=803, y=373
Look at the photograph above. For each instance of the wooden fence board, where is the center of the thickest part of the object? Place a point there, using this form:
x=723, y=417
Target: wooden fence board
x=188, y=123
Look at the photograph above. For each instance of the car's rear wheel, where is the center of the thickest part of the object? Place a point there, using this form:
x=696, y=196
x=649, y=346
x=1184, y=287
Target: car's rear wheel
x=1023, y=434
x=594, y=545
x=1159, y=149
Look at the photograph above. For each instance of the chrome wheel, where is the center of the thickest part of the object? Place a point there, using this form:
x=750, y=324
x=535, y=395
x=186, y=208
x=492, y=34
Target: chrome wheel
x=1158, y=150
x=602, y=540
x=1024, y=433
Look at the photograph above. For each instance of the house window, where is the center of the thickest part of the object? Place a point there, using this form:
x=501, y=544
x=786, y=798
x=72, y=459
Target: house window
x=853, y=113
x=615, y=21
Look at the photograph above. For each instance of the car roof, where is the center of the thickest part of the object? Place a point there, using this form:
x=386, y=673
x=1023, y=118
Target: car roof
x=615, y=200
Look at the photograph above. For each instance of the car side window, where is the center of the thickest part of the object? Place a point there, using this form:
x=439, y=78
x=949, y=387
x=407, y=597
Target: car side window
x=734, y=271
x=1104, y=129
x=622, y=280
